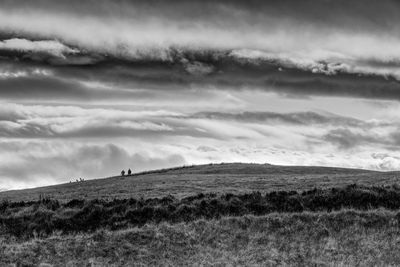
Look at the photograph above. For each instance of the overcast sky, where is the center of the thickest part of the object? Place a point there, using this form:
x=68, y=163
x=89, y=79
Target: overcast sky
x=88, y=88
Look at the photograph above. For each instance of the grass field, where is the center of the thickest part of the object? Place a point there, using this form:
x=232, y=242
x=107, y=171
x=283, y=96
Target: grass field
x=345, y=238
x=208, y=215
x=219, y=178
x=41, y=218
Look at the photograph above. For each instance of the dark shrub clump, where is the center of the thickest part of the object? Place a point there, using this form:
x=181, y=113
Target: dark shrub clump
x=26, y=219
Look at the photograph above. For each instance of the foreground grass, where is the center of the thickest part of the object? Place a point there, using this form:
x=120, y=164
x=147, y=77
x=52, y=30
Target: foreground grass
x=43, y=217
x=343, y=238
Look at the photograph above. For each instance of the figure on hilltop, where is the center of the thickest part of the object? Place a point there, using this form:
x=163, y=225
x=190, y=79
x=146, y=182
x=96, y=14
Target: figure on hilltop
x=129, y=172
x=123, y=173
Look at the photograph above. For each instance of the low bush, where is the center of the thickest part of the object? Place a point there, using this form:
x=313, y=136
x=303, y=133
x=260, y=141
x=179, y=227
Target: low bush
x=26, y=219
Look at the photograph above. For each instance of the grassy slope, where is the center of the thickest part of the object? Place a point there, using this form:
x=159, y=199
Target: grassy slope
x=233, y=178
x=345, y=238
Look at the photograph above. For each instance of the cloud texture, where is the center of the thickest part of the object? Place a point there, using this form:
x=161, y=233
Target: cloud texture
x=88, y=87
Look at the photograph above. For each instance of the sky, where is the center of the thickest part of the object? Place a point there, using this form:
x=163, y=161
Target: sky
x=91, y=87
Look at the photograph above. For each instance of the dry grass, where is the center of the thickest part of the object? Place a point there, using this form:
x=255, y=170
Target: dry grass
x=342, y=238
x=25, y=220
x=219, y=178
x=345, y=238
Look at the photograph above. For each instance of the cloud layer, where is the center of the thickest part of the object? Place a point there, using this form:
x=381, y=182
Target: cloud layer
x=56, y=143
x=302, y=34
x=88, y=87
x=44, y=162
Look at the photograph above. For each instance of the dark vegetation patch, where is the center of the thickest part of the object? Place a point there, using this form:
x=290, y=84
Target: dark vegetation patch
x=45, y=216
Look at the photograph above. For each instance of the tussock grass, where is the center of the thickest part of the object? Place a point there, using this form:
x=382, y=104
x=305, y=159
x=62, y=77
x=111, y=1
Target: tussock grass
x=340, y=238
x=350, y=226
x=42, y=218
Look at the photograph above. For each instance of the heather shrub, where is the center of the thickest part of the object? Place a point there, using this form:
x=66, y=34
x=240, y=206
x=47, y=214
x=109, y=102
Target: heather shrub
x=23, y=219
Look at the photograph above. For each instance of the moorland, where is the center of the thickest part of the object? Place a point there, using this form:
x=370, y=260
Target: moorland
x=207, y=215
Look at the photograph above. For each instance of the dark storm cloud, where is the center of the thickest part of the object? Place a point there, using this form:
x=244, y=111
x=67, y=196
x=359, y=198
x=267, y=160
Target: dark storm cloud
x=190, y=70
x=33, y=82
x=305, y=32
x=338, y=13
x=300, y=118
x=41, y=88
x=296, y=48
x=120, y=131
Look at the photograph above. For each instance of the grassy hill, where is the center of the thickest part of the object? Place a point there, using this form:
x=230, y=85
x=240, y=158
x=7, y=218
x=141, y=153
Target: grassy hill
x=219, y=178
x=106, y=222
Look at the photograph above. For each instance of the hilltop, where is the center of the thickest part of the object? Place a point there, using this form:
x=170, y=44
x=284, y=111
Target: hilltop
x=218, y=178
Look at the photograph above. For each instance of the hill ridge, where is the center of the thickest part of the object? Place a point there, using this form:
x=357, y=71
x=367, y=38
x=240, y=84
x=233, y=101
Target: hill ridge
x=214, y=177
x=230, y=164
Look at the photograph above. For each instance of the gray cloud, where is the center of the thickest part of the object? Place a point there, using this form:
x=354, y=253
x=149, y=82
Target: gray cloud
x=88, y=161
x=206, y=149
x=224, y=44
x=42, y=88
x=225, y=73
x=49, y=47
x=208, y=80
x=27, y=121
x=62, y=122
x=347, y=138
x=301, y=118
x=337, y=13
